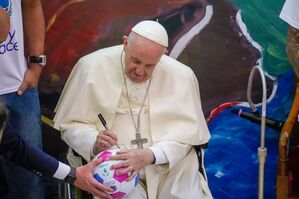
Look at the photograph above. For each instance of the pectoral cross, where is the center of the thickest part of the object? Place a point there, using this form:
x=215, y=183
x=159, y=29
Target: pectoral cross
x=139, y=141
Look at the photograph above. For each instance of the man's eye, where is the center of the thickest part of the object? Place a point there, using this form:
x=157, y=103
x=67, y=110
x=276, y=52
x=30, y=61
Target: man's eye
x=149, y=66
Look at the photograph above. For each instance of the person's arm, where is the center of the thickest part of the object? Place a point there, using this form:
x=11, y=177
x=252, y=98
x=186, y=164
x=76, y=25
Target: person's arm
x=15, y=149
x=34, y=30
x=161, y=148
x=4, y=25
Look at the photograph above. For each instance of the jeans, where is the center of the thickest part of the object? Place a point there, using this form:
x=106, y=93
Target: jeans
x=24, y=117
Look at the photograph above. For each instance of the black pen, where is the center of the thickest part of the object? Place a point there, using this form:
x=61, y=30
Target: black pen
x=104, y=124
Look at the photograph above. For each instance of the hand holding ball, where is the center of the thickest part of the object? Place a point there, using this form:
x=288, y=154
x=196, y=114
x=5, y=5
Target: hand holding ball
x=108, y=177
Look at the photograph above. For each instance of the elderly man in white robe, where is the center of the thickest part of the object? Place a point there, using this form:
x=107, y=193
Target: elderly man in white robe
x=152, y=106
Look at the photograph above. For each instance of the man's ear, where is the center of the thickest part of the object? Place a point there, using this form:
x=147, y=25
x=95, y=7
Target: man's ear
x=125, y=40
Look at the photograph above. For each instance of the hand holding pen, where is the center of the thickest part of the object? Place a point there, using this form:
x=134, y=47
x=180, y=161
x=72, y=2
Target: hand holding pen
x=106, y=127
x=105, y=139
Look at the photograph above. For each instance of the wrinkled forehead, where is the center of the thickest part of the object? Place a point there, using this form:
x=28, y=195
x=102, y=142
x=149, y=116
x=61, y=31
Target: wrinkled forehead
x=144, y=50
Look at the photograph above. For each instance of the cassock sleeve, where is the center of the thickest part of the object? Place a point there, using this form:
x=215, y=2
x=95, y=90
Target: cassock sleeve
x=77, y=110
x=176, y=112
x=182, y=124
x=15, y=149
x=174, y=152
x=81, y=139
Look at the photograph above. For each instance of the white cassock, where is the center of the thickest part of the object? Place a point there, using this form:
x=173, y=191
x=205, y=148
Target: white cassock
x=171, y=119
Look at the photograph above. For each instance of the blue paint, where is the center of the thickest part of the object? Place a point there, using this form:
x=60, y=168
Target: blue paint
x=231, y=158
x=98, y=178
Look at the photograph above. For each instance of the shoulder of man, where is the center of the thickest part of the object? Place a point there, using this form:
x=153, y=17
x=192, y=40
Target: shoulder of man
x=100, y=58
x=169, y=64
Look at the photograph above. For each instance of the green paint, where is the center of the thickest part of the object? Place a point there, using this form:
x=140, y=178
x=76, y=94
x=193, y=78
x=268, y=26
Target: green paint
x=265, y=27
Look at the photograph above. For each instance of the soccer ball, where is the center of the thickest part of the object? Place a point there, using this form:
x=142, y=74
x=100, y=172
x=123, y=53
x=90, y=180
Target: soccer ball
x=108, y=177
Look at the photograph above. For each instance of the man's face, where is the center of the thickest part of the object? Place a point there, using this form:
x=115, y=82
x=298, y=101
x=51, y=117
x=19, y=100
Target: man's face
x=141, y=57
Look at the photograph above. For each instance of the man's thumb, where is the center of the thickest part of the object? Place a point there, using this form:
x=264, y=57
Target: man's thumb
x=22, y=88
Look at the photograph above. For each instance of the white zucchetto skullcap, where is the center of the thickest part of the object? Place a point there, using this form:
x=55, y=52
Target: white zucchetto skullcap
x=153, y=31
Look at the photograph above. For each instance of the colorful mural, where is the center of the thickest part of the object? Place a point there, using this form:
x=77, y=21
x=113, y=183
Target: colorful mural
x=220, y=40
x=69, y=37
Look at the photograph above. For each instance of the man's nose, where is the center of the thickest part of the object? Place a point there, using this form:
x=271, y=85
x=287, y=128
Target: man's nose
x=139, y=70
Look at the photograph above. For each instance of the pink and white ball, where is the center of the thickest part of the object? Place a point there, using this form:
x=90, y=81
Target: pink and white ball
x=108, y=177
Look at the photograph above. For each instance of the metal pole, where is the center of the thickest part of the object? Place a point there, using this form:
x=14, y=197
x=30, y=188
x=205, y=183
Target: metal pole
x=262, y=150
x=67, y=191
